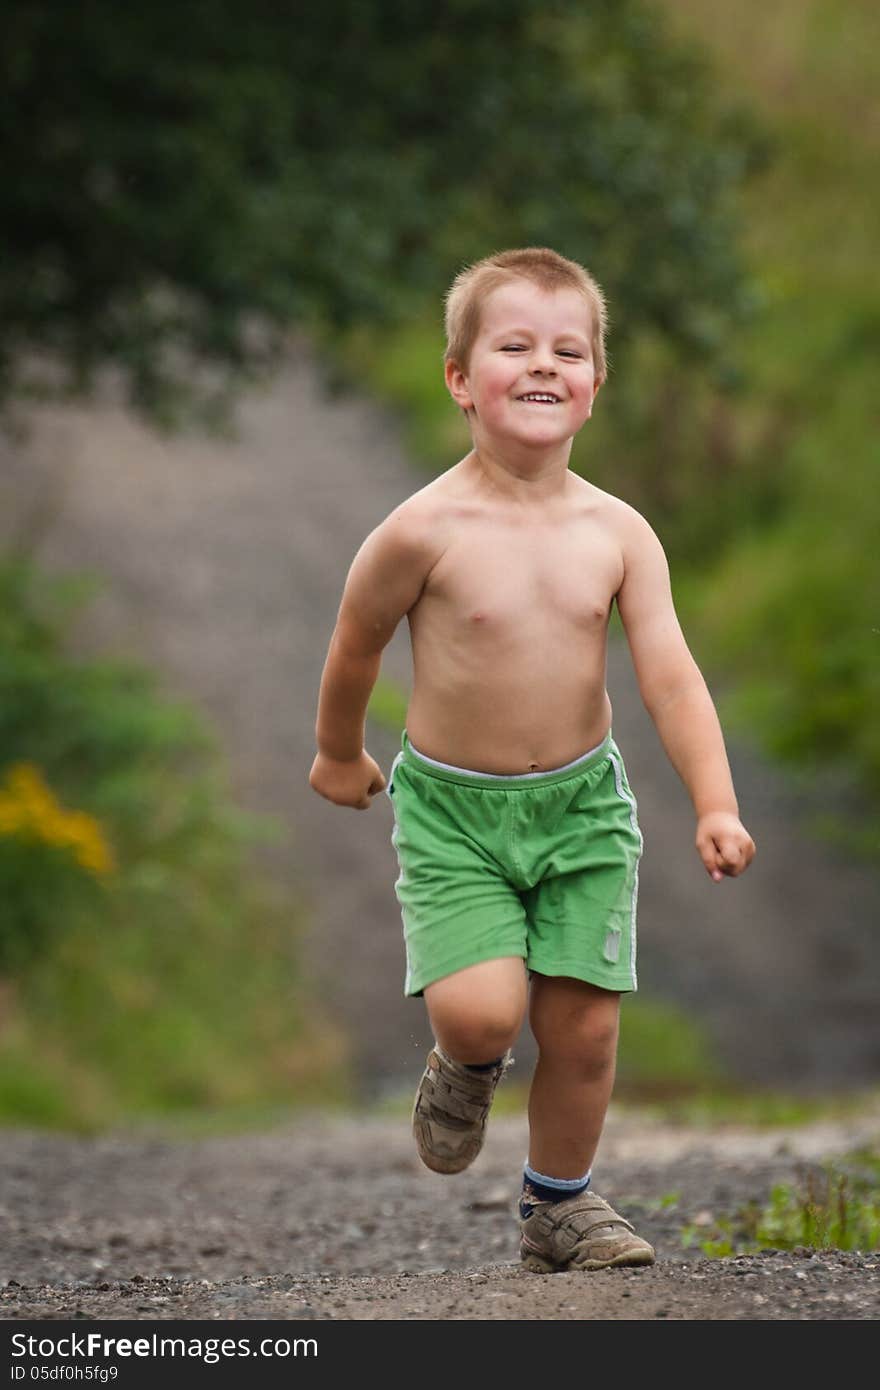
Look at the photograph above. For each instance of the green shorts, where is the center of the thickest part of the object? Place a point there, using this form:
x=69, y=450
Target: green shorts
x=544, y=866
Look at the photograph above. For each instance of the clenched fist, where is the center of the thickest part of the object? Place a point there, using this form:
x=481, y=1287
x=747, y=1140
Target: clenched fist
x=351, y=783
x=724, y=844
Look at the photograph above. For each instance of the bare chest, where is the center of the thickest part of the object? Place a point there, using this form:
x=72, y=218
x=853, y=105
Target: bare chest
x=500, y=580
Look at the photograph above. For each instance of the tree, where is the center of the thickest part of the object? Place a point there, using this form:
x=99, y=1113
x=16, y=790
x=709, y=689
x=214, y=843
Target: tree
x=183, y=182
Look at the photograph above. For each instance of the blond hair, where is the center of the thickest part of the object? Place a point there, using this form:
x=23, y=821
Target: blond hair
x=546, y=269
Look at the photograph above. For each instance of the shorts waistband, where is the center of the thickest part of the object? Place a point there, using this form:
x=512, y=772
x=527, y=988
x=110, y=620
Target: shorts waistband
x=502, y=780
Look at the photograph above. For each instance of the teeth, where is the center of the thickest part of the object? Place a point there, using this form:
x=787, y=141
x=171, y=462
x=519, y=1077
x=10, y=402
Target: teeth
x=536, y=396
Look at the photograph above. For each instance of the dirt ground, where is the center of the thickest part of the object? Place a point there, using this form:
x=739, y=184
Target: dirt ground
x=336, y=1219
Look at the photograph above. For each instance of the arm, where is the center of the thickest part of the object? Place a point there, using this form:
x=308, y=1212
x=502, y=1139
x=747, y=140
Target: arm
x=384, y=581
x=677, y=698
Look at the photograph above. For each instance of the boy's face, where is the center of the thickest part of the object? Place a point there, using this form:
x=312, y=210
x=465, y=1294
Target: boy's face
x=531, y=379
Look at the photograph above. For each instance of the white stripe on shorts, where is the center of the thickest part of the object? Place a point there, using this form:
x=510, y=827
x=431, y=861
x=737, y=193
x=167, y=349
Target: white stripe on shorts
x=622, y=792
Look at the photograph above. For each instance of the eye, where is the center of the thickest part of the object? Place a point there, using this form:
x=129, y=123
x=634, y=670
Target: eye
x=569, y=352
x=513, y=347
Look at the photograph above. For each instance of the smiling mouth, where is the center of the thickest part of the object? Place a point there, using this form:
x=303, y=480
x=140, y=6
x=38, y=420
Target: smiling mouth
x=539, y=398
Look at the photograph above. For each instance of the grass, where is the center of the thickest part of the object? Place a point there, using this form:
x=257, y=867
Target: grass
x=249, y=1117
x=730, y=1104
x=835, y=1207
x=96, y=1043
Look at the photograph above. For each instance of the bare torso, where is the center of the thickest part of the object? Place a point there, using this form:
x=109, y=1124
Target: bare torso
x=509, y=633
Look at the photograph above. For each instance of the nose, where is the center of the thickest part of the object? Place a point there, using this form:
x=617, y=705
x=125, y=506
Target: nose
x=542, y=362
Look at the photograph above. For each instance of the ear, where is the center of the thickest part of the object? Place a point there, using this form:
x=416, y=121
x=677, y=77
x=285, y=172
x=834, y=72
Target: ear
x=596, y=384
x=457, y=385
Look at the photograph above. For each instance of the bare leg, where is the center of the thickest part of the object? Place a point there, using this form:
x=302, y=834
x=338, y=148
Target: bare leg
x=575, y=1026
x=477, y=1013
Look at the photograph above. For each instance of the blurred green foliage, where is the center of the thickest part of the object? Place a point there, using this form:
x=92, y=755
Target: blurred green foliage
x=176, y=193
x=788, y=606
x=165, y=977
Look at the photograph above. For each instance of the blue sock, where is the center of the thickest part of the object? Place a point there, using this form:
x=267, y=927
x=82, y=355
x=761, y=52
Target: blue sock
x=537, y=1187
x=483, y=1066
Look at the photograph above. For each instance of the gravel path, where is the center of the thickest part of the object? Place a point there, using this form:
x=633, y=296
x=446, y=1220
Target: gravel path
x=334, y=1218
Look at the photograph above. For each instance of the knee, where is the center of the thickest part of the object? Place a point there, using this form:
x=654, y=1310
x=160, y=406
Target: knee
x=479, y=1034
x=477, y=1013
x=585, y=1040
x=476, y=1039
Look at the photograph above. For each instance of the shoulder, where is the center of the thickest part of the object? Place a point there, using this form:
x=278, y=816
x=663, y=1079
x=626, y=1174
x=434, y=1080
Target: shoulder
x=416, y=529
x=623, y=521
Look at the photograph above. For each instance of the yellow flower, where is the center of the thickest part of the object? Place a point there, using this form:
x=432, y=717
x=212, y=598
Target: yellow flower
x=29, y=809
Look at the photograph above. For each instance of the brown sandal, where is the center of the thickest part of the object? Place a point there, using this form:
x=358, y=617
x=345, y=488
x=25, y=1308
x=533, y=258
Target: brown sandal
x=581, y=1232
x=451, y=1109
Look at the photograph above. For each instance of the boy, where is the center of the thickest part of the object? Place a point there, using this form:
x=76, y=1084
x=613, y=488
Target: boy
x=519, y=850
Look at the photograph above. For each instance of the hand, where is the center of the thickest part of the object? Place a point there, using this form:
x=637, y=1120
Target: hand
x=347, y=783
x=724, y=844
